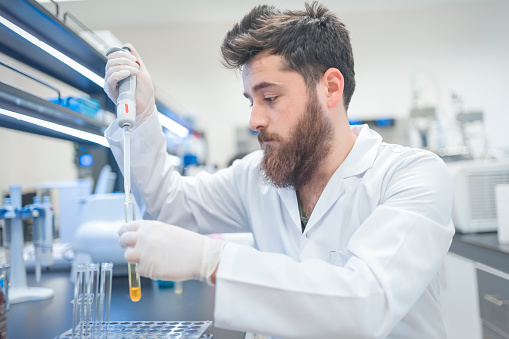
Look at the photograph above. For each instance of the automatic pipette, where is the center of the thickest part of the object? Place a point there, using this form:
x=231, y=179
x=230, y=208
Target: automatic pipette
x=126, y=115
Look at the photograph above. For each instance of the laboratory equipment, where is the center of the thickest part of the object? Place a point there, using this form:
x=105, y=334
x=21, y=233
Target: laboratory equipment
x=178, y=287
x=5, y=273
x=92, y=307
x=78, y=301
x=126, y=115
x=155, y=329
x=96, y=238
x=474, y=204
x=106, y=181
x=92, y=300
x=423, y=121
x=502, y=197
x=104, y=301
x=13, y=214
x=42, y=216
x=69, y=195
x=472, y=129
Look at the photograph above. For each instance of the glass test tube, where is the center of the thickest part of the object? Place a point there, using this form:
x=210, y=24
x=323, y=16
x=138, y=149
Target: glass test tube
x=78, y=309
x=134, y=277
x=105, y=299
x=92, y=300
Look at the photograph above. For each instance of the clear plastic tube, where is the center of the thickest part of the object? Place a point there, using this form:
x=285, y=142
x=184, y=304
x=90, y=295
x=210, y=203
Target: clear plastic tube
x=92, y=306
x=105, y=298
x=79, y=293
x=37, y=227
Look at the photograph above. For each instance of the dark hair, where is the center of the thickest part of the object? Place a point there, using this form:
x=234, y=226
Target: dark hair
x=310, y=42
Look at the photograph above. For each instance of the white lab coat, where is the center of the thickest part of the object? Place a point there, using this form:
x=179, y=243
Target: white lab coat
x=387, y=208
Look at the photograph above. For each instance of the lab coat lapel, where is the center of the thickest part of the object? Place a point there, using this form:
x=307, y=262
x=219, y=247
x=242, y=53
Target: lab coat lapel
x=358, y=161
x=333, y=191
x=289, y=198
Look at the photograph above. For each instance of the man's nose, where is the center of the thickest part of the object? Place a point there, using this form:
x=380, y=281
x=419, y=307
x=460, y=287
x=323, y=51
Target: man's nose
x=259, y=118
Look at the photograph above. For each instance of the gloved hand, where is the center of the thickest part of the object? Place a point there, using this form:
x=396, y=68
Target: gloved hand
x=120, y=65
x=168, y=252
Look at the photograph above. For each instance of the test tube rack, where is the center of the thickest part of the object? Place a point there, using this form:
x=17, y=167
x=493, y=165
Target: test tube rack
x=153, y=329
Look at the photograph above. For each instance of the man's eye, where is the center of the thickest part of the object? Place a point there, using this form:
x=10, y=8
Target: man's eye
x=270, y=99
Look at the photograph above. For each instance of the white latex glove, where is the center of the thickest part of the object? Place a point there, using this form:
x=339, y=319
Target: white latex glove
x=168, y=252
x=120, y=65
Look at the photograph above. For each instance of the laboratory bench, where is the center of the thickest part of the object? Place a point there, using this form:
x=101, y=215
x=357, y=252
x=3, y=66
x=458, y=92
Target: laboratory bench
x=50, y=318
x=482, y=248
x=489, y=262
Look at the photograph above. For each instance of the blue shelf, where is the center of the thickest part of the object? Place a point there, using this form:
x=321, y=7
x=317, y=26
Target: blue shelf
x=16, y=100
x=38, y=21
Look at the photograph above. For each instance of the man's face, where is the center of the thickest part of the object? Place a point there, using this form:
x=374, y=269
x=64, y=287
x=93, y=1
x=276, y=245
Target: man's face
x=295, y=132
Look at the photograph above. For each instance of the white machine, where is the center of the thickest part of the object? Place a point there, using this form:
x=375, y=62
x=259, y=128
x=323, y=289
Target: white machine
x=69, y=194
x=474, y=206
x=96, y=238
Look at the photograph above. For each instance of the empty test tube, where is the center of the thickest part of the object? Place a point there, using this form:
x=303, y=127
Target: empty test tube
x=78, y=301
x=105, y=298
x=92, y=301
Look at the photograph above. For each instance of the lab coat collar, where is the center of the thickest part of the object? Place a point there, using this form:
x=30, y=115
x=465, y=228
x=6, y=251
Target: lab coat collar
x=358, y=161
x=363, y=152
x=289, y=199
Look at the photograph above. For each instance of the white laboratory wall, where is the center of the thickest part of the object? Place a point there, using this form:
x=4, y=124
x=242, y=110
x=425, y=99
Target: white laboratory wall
x=450, y=48
x=28, y=159
x=461, y=49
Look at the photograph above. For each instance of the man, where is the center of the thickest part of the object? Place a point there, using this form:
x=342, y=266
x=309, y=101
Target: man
x=318, y=185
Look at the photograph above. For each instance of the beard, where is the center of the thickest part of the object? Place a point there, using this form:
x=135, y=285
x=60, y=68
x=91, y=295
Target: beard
x=295, y=161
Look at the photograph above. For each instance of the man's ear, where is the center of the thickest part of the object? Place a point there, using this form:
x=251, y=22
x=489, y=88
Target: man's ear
x=334, y=85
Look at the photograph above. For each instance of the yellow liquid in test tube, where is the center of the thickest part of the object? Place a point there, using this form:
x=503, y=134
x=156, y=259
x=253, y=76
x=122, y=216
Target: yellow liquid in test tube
x=135, y=293
x=134, y=283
